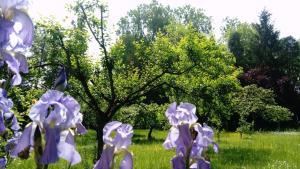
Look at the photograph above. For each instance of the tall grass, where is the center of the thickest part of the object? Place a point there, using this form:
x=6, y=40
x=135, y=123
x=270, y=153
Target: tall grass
x=274, y=150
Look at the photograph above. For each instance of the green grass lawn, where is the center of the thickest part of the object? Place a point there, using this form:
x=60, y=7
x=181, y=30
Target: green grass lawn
x=257, y=151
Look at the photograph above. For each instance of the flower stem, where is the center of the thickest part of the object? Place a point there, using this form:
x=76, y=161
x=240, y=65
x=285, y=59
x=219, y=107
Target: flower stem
x=69, y=166
x=187, y=160
x=46, y=166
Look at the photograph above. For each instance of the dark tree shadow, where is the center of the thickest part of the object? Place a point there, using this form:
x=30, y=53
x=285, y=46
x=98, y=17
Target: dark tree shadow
x=240, y=156
x=142, y=139
x=146, y=141
x=138, y=136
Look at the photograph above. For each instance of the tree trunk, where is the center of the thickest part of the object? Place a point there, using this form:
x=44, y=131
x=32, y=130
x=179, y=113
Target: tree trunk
x=149, y=134
x=101, y=123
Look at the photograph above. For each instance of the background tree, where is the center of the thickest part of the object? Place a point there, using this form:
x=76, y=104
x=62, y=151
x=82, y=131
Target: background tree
x=257, y=109
x=241, y=38
x=268, y=61
x=148, y=19
x=178, y=64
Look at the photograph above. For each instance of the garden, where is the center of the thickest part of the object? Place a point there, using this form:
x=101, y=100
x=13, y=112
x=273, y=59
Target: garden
x=159, y=92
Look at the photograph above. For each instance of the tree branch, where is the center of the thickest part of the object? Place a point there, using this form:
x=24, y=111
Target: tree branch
x=100, y=93
x=81, y=77
x=144, y=86
x=83, y=82
x=68, y=54
x=45, y=64
x=134, y=98
x=108, y=62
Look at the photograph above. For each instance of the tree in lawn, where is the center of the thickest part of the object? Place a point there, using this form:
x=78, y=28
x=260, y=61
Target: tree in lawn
x=118, y=84
x=144, y=116
x=111, y=83
x=212, y=94
x=257, y=109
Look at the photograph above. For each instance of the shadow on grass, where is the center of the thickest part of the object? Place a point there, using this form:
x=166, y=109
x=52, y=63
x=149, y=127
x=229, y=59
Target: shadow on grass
x=138, y=136
x=243, y=156
x=143, y=140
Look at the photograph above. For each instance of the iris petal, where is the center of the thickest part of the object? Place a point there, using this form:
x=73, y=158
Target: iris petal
x=16, y=80
x=170, y=114
x=208, y=131
x=184, y=141
x=73, y=112
x=6, y=28
x=184, y=113
x=26, y=33
x=123, y=136
x=38, y=111
x=3, y=162
x=203, y=164
x=23, y=142
x=58, y=114
x=178, y=162
x=215, y=147
x=189, y=111
x=80, y=128
x=50, y=154
x=60, y=83
x=2, y=126
x=108, y=129
x=52, y=96
x=13, y=64
x=68, y=152
x=69, y=137
x=106, y=159
x=171, y=138
x=15, y=125
x=127, y=162
x=23, y=62
x=6, y=4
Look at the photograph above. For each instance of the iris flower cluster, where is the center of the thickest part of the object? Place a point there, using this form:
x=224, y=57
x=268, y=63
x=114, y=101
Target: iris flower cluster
x=116, y=145
x=16, y=36
x=190, y=139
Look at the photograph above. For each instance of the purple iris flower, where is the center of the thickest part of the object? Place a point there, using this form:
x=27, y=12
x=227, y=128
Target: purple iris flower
x=60, y=83
x=11, y=143
x=57, y=115
x=5, y=103
x=6, y=115
x=16, y=34
x=5, y=5
x=17, y=63
x=116, y=145
x=17, y=27
x=25, y=141
x=3, y=162
x=189, y=138
x=2, y=125
x=184, y=113
x=22, y=35
x=6, y=28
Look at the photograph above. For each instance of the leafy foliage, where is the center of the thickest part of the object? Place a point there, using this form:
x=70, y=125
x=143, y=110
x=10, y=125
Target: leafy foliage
x=267, y=60
x=257, y=109
x=147, y=20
